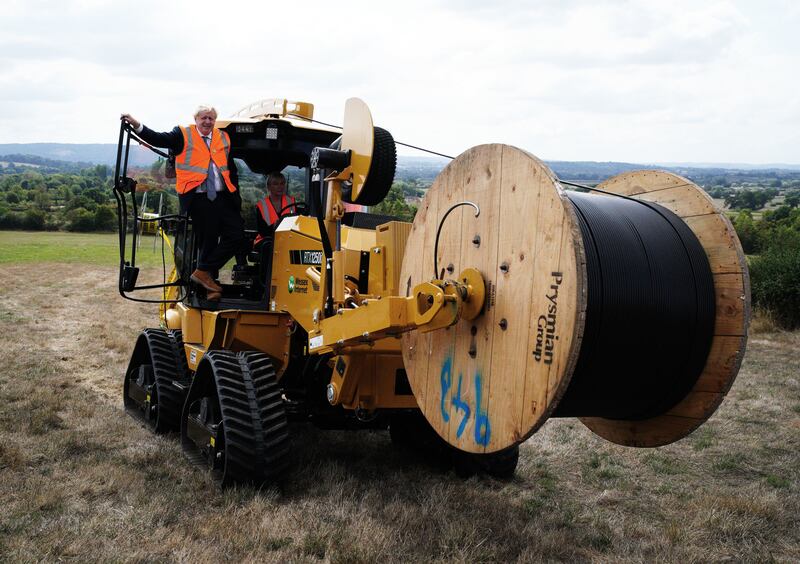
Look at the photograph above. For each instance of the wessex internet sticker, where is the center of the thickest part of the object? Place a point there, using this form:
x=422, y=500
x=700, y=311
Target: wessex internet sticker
x=291, y=284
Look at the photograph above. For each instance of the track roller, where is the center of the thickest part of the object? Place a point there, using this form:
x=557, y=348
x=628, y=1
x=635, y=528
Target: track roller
x=234, y=419
x=155, y=381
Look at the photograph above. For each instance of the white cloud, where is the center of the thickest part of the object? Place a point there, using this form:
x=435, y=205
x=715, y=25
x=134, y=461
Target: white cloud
x=593, y=80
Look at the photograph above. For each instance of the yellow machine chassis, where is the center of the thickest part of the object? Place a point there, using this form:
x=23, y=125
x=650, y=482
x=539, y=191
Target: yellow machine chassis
x=476, y=320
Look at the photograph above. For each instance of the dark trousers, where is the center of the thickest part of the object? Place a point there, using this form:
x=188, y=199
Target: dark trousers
x=218, y=228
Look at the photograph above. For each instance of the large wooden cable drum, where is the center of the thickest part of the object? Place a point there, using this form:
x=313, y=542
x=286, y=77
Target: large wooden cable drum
x=478, y=382
x=489, y=383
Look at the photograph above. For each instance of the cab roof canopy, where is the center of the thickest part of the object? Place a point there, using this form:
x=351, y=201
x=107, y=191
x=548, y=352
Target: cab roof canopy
x=274, y=133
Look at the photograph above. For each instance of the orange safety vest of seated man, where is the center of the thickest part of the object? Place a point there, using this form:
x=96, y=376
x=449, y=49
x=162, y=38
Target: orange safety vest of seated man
x=276, y=184
x=191, y=166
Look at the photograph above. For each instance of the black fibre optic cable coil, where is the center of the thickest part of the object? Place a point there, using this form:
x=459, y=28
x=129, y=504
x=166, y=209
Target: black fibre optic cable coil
x=650, y=310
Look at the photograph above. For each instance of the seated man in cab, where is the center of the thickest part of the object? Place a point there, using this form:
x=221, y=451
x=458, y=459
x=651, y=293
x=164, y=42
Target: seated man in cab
x=274, y=203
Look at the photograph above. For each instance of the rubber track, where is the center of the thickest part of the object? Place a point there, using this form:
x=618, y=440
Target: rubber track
x=169, y=364
x=253, y=416
x=381, y=170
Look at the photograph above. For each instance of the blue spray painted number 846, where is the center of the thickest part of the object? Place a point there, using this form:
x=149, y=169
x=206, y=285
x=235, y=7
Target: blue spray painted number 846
x=482, y=429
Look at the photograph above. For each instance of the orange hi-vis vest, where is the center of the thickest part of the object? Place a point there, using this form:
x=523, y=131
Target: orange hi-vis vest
x=270, y=214
x=191, y=166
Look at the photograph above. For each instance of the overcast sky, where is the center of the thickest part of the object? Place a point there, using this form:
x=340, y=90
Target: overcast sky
x=658, y=81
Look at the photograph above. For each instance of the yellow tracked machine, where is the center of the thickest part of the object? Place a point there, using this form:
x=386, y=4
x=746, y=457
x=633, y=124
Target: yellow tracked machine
x=509, y=300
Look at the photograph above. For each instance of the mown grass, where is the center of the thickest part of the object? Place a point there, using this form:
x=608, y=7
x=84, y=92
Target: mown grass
x=74, y=248
x=82, y=481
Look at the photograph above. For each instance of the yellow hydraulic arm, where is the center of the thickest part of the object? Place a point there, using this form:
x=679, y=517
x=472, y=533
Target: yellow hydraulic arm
x=431, y=305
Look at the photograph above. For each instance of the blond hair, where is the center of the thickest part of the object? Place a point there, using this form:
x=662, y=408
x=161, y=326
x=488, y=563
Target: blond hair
x=203, y=108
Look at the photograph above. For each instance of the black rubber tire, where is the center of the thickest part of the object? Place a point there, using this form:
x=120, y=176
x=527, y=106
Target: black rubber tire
x=412, y=430
x=253, y=435
x=501, y=464
x=163, y=351
x=381, y=170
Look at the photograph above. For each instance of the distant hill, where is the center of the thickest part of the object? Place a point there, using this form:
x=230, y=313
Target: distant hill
x=422, y=168
x=727, y=167
x=90, y=153
x=41, y=164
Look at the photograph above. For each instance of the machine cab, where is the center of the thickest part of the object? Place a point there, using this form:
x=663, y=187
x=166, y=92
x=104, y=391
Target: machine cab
x=268, y=135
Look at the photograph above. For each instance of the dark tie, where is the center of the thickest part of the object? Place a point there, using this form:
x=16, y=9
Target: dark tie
x=211, y=180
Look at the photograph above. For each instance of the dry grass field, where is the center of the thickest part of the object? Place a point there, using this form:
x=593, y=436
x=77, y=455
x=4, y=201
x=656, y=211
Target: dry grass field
x=80, y=480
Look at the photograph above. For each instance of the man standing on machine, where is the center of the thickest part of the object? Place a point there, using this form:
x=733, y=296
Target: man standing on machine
x=206, y=182
x=275, y=204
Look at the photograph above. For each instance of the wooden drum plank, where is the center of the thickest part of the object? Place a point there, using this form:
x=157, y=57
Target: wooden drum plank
x=715, y=234
x=441, y=344
x=643, y=181
x=696, y=404
x=466, y=395
x=571, y=286
x=519, y=222
x=684, y=201
x=553, y=334
x=416, y=345
x=674, y=192
x=654, y=432
x=731, y=304
x=723, y=360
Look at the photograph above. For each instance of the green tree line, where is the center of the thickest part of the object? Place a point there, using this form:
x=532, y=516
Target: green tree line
x=79, y=201
x=83, y=200
x=774, y=243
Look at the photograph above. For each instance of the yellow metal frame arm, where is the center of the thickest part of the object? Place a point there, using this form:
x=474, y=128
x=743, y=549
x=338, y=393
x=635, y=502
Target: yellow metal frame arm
x=431, y=306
